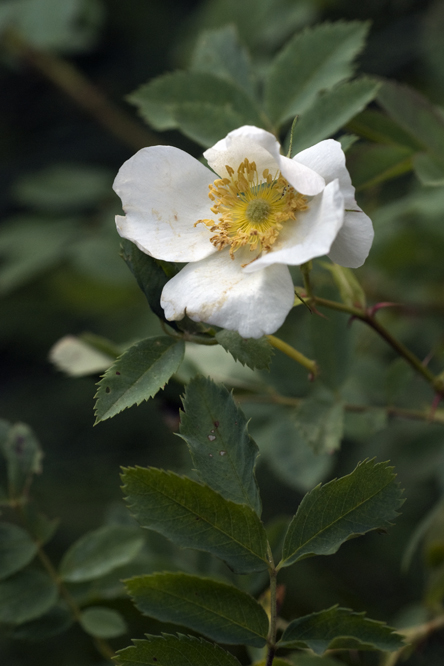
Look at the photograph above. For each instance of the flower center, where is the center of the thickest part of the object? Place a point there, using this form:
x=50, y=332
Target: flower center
x=251, y=209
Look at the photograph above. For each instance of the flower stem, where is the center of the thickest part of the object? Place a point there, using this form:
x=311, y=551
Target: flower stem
x=293, y=353
x=436, y=383
x=85, y=94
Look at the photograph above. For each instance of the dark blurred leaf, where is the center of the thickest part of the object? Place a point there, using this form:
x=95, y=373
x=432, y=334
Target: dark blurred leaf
x=415, y=114
x=312, y=61
x=170, y=101
x=331, y=110
x=102, y=622
x=26, y=595
x=376, y=126
x=216, y=610
x=138, y=375
x=367, y=499
x=17, y=549
x=63, y=187
x=372, y=164
x=219, y=52
x=169, y=650
x=57, y=620
x=100, y=551
x=331, y=340
x=429, y=170
x=320, y=421
x=256, y=353
x=195, y=516
x=23, y=456
x=151, y=275
x=30, y=246
x=216, y=432
x=339, y=629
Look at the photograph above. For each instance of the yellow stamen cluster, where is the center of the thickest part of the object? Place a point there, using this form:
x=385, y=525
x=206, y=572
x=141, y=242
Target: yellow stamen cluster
x=252, y=210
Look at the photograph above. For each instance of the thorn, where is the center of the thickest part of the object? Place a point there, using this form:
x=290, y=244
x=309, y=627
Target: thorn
x=436, y=400
x=384, y=304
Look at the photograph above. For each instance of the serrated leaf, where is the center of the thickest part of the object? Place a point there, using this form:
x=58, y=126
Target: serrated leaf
x=26, y=595
x=195, y=516
x=23, y=458
x=255, y=353
x=216, y=610
x=162, y=100
x=219, y=52
x=169, y=650
x=17, y=549
x=100, y=551
x=138, y=375
x=151, y=275
x=415, y=114
x=331, y=110
x=102, y=622
x=339, y=629
x=313, y=60
x=57, y=620
x=320, y=421
x=367, y=499
x=216, y=432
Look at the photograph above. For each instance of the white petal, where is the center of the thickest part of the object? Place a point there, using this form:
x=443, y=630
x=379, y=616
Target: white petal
x=304, y=179
x=248, y=141
x=327, y=159
x=164, y=192
x=217, y=291
x=310, y=235
x=353, y=241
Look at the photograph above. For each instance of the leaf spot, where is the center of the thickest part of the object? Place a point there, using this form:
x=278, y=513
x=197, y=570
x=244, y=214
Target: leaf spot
x=212, y=437
x=222, y=453
x=216, y=424
x=117, y=372
x=107, y=390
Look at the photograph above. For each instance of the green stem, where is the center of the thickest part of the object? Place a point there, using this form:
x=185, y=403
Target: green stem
x=365, y=316
x=271, y=640
x=189, y=337
x=305, y=270
x=293, y=353
x=409, y=414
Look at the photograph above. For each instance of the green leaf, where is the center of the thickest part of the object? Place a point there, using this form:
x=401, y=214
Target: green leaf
x=164, y=101
x=219, y=52
x=17, y=549
x=429, y=170
x=373, y=164
x=100, y=551
x=339, y=629
x=347, y=283
x=415, y=114
x=102, y=622
x=329, y=515
x=26, y=595
x=63, y=187
x=29, y=246
x=169, y=650
x=57, y=620
x=313, y=60
x=23, y=458
x=331, y=110
x=78, y=358
x=206, y=123
x=330, y=337
x=376, y=126
x=195, y=516
x=151, y=275
x=138, y=375
x=256, y=354
x=216, y=432
x=320, y=421
x=216, y=610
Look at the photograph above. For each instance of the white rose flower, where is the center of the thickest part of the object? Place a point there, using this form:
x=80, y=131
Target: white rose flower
x=239, y=232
